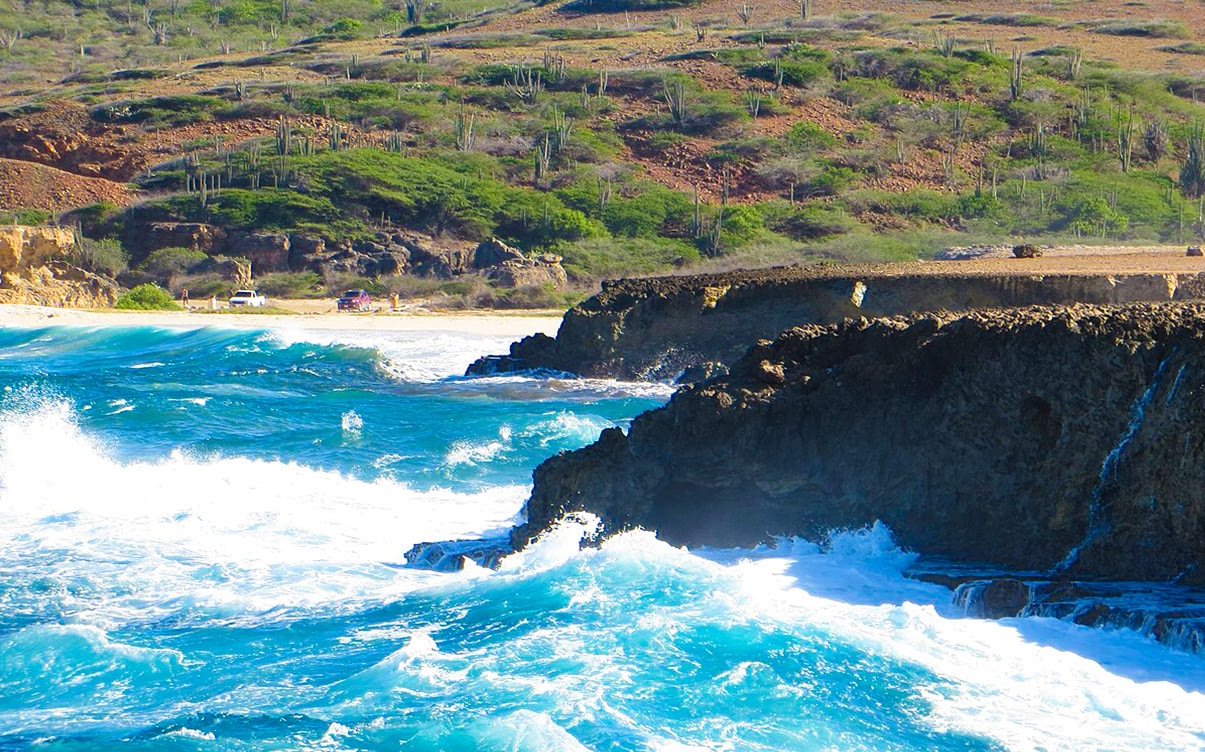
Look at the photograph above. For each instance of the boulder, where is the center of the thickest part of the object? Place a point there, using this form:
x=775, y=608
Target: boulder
x=494, y=252
x=527, y=273
x=306, y=252
x=1026, y=251
x=1194, y=250
x=444, y=264
x=192, y=235
x=268, y=252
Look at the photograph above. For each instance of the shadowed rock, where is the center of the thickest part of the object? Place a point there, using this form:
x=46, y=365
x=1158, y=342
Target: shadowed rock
x=1064, y=439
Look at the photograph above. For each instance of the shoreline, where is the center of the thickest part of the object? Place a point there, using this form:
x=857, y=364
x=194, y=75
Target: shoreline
x=305, y=314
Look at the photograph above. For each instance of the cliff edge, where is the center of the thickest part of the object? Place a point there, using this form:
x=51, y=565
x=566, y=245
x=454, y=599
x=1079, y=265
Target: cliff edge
x=657, y=328
x=1064, y=439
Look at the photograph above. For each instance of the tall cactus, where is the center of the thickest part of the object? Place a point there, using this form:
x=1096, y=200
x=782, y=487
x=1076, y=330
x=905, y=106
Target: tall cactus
x=1016, y=80
x=284, y=137
x=1192, y=171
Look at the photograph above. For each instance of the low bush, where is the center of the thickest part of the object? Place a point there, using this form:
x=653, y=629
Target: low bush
x=613, y=6
x=105, y=256
x=606, y=258
x=166, y=263
x=160, y=111
x=147, y=297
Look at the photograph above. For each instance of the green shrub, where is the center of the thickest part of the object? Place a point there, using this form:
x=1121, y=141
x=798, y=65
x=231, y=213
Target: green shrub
x=29, y=217
x=147, y=298
x=1159, y=29
x=104, y=256
x=909, y=69
x=160, y=111
x=166, y=263
x=923, y=205
x=797, y=65
x=421, y=193
x=806, y=136
x=807, y=221
x=536, y=220
x=263, y=209
x=604, y=258
x=612, y=6
x=1185, y=48
x=742, y=225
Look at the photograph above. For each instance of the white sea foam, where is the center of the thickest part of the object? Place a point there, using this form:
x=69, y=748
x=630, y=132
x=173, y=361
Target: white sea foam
x=211, y=535
x=406, y=356
x=1026, y=683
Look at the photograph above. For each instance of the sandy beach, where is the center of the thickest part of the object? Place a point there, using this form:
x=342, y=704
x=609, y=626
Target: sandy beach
x=304, y=314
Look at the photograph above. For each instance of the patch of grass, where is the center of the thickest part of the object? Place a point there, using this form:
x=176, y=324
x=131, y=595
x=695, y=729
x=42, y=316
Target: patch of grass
x=567, y=34
x=614, y=6
x=606, y=258
x=1156, y=29
x=1009, y=19
x=160, y=111
x=1184, y=48
x=486, y=41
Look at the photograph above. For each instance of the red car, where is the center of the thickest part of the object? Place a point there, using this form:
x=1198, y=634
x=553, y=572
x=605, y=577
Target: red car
x=355, y=300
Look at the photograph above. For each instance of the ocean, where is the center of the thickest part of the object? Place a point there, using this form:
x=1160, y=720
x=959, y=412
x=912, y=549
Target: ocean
x=203, y=538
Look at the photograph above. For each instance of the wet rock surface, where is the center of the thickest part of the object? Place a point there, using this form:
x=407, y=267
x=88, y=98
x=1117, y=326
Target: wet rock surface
x=1067, y=440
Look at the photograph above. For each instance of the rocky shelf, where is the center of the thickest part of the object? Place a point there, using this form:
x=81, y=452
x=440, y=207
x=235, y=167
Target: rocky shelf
x=661, y=328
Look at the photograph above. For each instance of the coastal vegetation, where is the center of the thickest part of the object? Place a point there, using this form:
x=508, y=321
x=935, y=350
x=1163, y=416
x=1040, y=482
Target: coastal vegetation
x=147, y=297
x=629, y=136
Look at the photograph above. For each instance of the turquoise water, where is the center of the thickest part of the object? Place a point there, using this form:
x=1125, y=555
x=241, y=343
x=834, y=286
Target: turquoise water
x=202, y=546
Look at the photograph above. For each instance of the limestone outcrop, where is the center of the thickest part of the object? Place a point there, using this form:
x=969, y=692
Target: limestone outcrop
x=1069, y=440
x=656, y=328
x=35, y=269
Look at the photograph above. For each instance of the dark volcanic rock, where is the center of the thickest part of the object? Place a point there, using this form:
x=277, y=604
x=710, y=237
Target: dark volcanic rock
x=1069, y=439
x=656, y=328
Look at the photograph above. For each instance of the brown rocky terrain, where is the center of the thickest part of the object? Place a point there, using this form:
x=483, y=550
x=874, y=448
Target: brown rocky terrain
x=36, y=269
x=1064, y=439
x=29, y=185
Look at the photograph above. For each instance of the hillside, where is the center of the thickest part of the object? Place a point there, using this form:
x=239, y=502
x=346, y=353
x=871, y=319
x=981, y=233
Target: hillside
x=628, y=141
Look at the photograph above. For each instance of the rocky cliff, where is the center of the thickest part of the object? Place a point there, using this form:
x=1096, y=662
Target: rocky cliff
x=35, y=270
x=656, y=328
x=1065, y=439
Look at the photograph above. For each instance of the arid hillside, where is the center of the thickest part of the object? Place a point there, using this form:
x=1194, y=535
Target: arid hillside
x=627, y=136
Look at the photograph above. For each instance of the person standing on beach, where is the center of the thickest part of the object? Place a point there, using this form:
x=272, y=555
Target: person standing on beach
x=184, y=298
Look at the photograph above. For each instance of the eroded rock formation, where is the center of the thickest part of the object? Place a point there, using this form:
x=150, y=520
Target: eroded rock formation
x=656, y=328
x=35, y=270
x=1064, y=439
